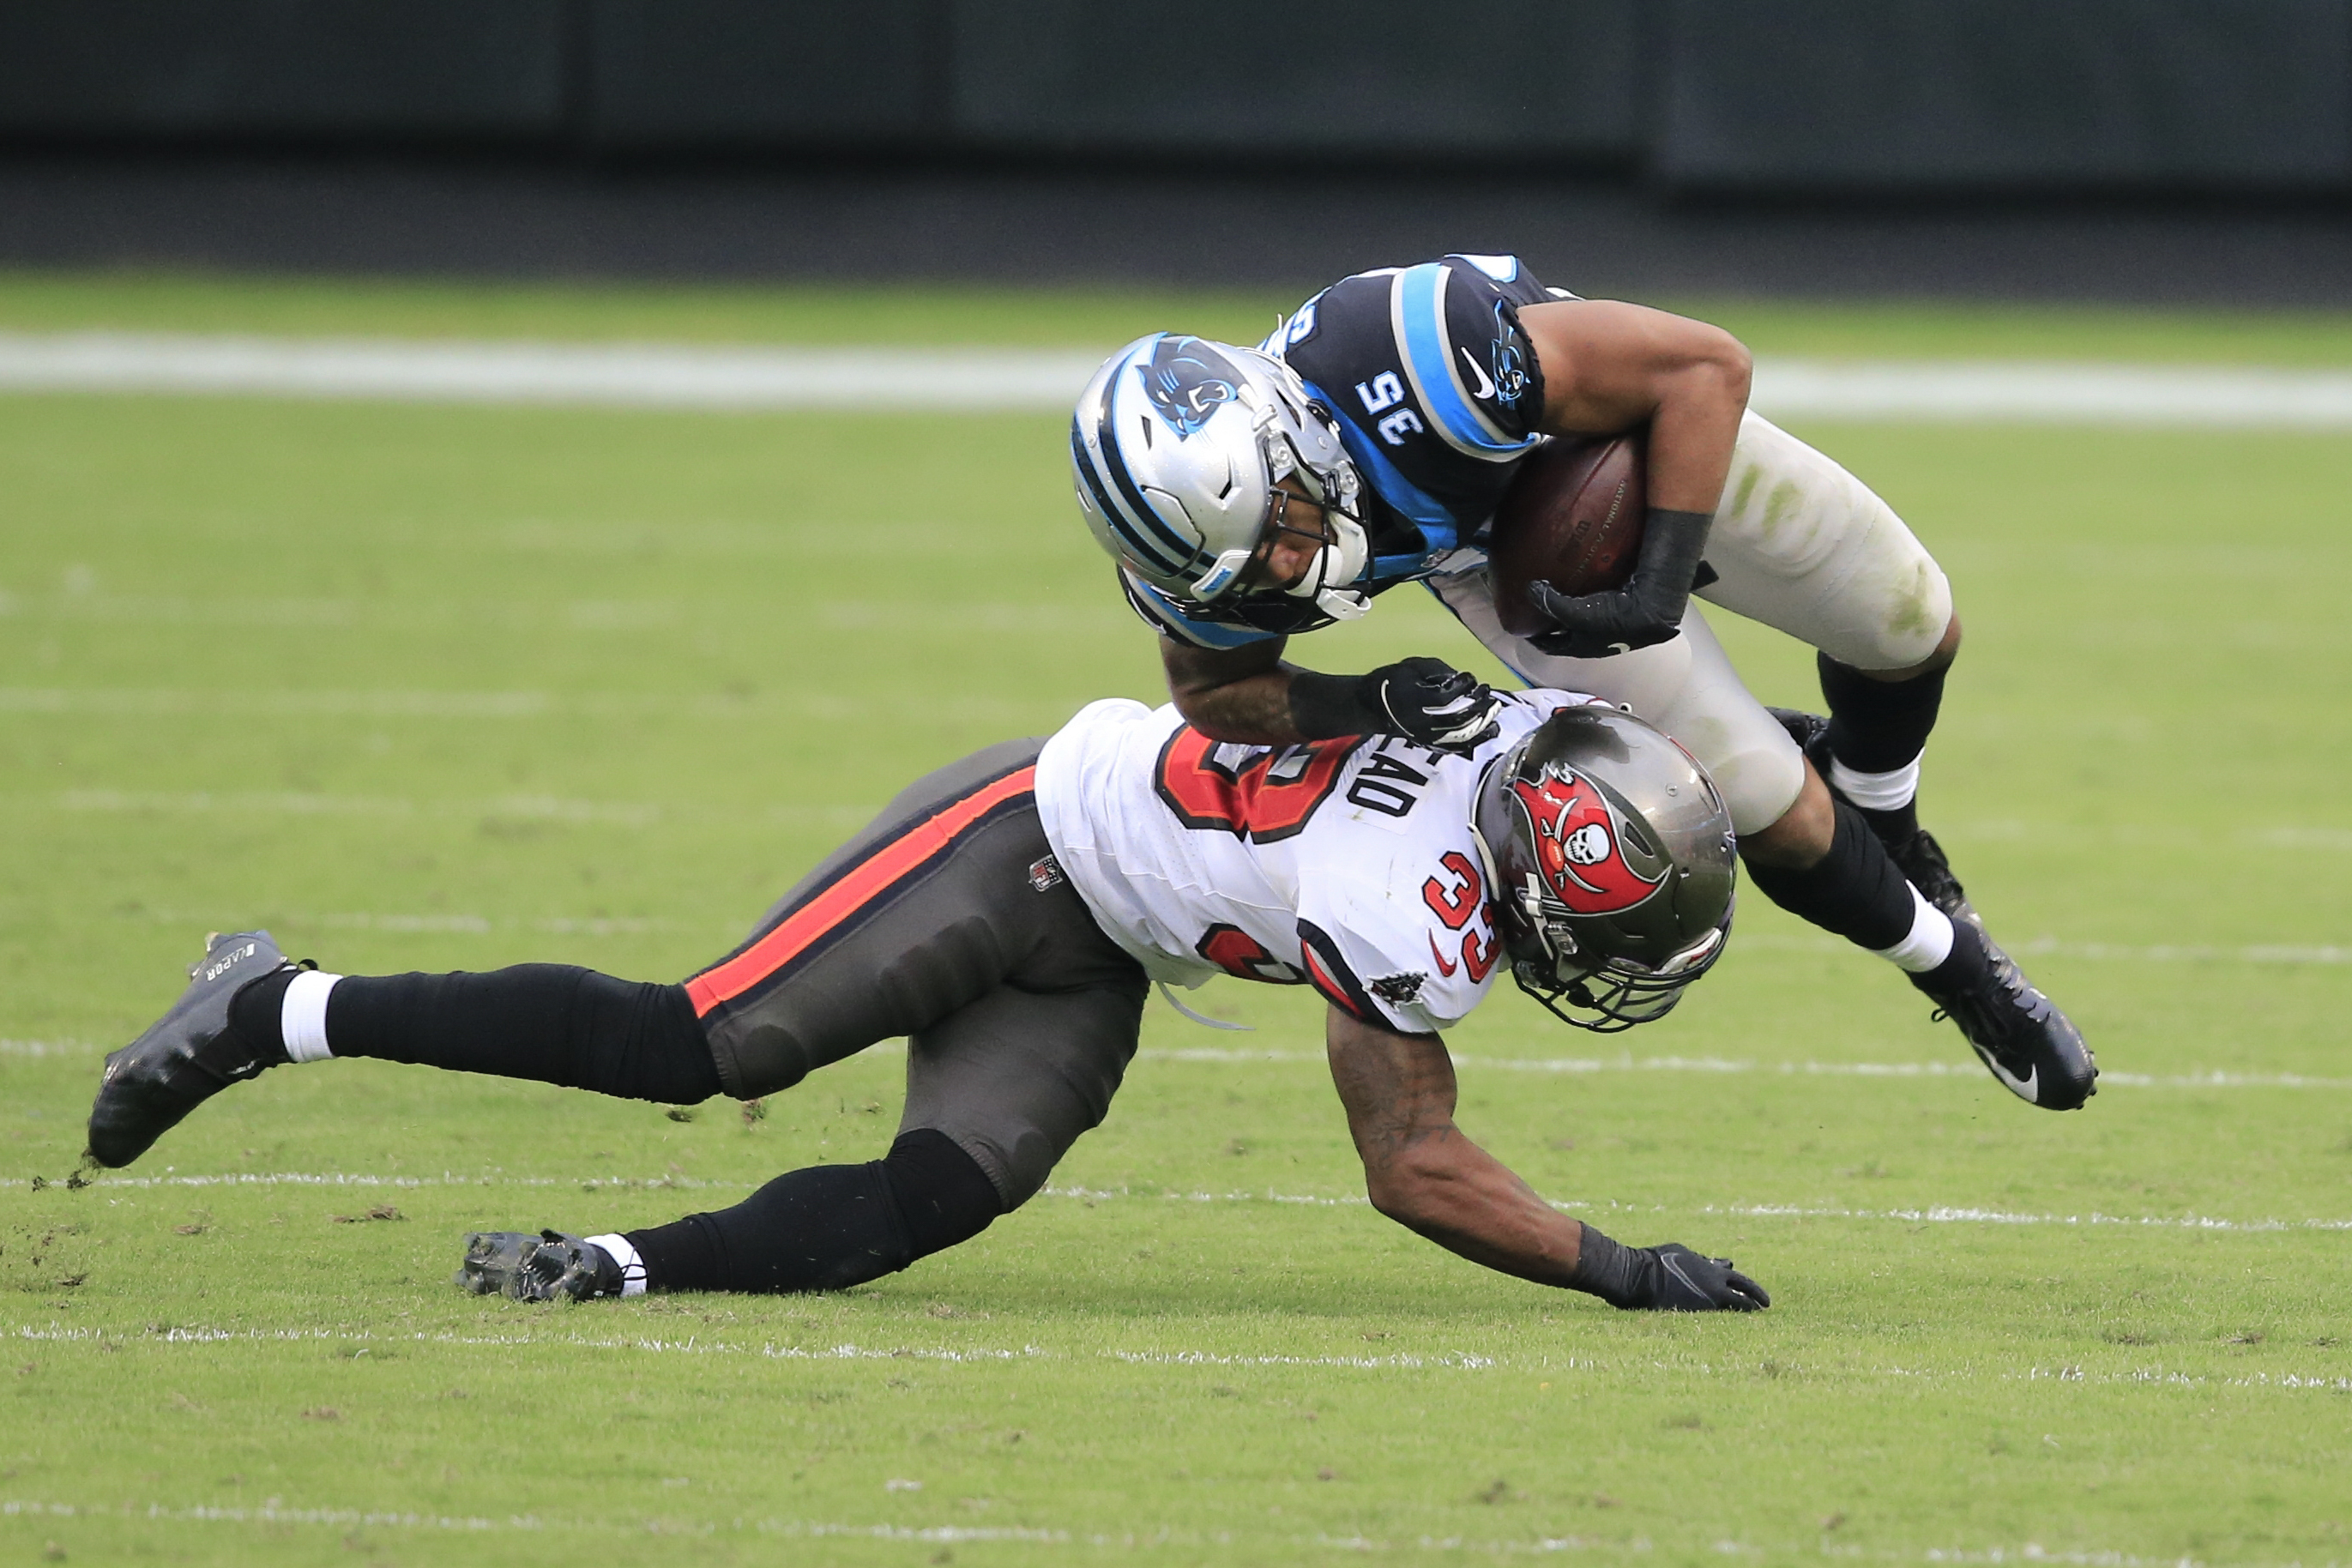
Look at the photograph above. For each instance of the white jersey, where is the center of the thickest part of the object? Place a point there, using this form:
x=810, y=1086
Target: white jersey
x=1348, y=865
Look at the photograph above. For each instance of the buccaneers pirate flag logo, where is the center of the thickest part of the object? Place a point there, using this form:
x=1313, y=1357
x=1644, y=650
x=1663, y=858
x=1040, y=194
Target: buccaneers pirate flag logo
x=1581, y=844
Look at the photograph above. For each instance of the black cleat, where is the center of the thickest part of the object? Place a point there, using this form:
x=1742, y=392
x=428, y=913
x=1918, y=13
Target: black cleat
x=543, y=1267
x=187, y=1056
x=1916, y=854
x=2032, y=1048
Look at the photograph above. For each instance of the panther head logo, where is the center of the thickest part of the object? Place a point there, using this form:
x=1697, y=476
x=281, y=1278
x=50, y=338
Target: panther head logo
x=1510, y=370
x=1188, y=381
x=1580, y=844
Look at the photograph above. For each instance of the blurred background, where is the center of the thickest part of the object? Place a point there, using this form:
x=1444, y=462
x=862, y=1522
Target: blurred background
x=2173, y=151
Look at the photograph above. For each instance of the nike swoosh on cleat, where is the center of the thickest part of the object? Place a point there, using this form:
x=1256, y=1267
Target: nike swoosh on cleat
x=1485, y=386
x=2027, y=1087
x=245, y=1069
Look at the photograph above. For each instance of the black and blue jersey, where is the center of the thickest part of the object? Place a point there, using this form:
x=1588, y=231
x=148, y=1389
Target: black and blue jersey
x=1437, y=396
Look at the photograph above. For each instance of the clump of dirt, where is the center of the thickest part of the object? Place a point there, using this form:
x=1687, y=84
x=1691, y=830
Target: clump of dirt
x=44, y=1258
x=381, y=1211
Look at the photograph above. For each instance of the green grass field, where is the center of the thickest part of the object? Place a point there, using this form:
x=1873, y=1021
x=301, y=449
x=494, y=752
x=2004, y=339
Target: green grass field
x=428, y=687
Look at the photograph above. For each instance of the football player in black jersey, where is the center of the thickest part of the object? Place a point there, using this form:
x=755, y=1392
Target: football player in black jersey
x=1251, y=494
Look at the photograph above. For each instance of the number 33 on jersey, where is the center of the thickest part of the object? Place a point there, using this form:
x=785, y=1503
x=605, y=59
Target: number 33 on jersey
x=1348, y=865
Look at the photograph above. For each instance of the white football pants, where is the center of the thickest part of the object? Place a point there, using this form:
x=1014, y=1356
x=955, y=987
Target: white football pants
x=1799, y=544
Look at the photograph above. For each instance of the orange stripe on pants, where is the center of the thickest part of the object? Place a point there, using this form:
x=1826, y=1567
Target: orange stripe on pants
x=850, y=894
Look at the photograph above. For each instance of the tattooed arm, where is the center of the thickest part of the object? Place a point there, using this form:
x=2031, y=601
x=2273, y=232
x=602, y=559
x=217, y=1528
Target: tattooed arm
x=1232, y=693
x=1420, y=1170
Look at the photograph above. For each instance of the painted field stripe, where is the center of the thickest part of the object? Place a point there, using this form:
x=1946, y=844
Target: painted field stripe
x=983, y=380
x=1134, y=1537
x=1934, y=1214
x=1940, y=1214
x=2154, y=1378
x=857, y=887
x=47, y=1047
x=643, y=375
x=1959, y=391
x=345, y=1518
x=2051, y=946
x=1959, y=1072
x=296, y=705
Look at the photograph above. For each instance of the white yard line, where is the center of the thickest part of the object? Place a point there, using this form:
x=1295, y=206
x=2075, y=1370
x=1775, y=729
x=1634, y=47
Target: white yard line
x=346, y=1518
x=1140, y=1538
x=1134, y=1539
x=2145, y=1377
x=1936, y=1214
x=500, y=707
x=1933, y=1214
x=978, y=379
x=1954, y=392
x=658, y=375
x=2130, y=952
x=1959, y=1072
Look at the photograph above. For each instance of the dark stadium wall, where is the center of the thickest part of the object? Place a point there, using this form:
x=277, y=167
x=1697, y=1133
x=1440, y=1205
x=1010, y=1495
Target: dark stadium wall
x=284, y=70
x=727, y=75
x=1370, y=79
x=1765, y=96
x=1864, y=95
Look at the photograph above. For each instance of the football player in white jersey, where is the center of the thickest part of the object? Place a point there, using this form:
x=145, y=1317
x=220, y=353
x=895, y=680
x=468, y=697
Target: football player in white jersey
x=1006, y=914
x=1251, y=494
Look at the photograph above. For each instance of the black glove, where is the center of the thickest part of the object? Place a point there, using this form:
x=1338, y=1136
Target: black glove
x=1668, y=1278
x=1647, y=609
x=1426, y=700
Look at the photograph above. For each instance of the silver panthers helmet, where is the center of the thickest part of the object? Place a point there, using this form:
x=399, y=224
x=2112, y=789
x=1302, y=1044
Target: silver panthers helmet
x=1613, y=863
x=1178, y=446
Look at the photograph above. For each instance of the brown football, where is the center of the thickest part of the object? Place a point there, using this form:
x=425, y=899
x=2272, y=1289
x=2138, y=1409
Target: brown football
x=1572, y=517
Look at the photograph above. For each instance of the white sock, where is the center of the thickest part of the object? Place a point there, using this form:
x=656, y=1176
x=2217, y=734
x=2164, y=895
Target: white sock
x=1876, y=792
x=302, y=1016
x=633, y=1267
x=1929, y=943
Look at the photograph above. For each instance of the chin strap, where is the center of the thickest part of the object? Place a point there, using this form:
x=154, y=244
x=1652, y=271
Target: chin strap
x=1343, y=604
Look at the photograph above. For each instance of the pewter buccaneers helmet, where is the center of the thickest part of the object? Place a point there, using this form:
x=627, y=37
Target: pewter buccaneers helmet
x=1178, y=444
x=1612, y=860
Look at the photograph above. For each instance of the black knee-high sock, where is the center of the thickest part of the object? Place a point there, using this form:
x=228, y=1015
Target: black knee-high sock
x=829, y=1227
x=1854, y=890
x=550, y=1021
x=1878, y=726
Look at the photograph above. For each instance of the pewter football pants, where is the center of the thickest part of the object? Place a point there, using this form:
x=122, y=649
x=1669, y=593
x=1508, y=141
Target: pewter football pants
x=1799, y=544
x=1021, y=1015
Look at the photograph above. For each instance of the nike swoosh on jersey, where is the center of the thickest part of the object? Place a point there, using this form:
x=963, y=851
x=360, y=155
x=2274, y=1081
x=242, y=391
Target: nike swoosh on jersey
x=1485, y=386
x=1443, y=967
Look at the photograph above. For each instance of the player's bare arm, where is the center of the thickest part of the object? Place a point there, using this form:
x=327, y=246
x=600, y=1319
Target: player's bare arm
x=1232, y=693
x=1422, y=1171
x=1247, y=695
x=1609, y=367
